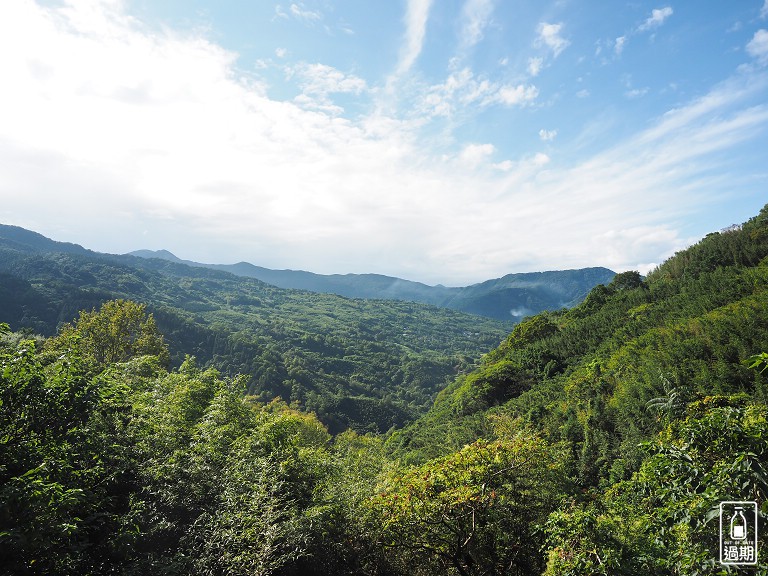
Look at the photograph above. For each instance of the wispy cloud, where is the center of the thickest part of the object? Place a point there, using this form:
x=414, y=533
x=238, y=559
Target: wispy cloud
x=323, y=79
x=535, y=65
x=634, y=93
x=514, y=95
x=764, y=10
x=475, y=16
x=657, y=18
x=475, y=154
x=758, y=46
x=319, y=81
x=462, y=88
x=618, y=46
x=547, y=135
x=549, y=36
x=303, y=13
x=416, y=16
x=119, y=136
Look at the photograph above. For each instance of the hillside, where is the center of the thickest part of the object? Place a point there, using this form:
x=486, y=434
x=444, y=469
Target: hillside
x=362, y=363
x=686, y=329
x=600, y=440
x=509, y=298
x=639, y=384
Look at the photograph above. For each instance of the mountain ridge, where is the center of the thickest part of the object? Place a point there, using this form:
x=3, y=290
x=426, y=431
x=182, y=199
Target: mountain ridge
x=508, y=298
x=356, y=363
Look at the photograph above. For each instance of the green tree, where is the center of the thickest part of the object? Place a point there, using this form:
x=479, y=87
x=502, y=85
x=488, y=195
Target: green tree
x=473, y=512
x=663, y=520
x=65, y=472
x=118, y=331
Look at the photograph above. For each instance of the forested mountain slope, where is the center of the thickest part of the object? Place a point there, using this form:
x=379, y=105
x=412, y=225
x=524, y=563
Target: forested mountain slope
x=509, y=298
x=362, y=363
x=655, y=390
x=588, y=372
x=594, y=441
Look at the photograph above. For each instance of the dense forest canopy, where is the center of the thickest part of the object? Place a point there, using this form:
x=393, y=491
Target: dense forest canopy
x=595, y=440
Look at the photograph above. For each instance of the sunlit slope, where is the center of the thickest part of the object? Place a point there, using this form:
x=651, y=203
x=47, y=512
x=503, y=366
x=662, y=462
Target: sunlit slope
x=586, y=375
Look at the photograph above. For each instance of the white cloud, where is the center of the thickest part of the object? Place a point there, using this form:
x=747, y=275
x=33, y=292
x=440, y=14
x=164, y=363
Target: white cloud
x=462, y=88
x=519, y=95
x=618, y=46
x=280, y=12
x=416, y=16
x=583, y=93
x=319, y=81
x=549, y=36
x=475, y=16
x=117, y=136
x=764, y=10
x=323, y=79
x=547, y=135
x=535, y=65
x=281, y=52
x=657, y=18
x=636, y=93
x=303, y=13
x=758, y=46
x=475, y=154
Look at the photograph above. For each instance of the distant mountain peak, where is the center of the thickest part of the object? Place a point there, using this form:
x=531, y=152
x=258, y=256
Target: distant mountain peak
x=161, y=254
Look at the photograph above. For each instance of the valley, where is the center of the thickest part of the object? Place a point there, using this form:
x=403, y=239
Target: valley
x=190, y=420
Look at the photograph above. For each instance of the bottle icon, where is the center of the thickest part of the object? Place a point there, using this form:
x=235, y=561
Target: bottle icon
x=738, y=524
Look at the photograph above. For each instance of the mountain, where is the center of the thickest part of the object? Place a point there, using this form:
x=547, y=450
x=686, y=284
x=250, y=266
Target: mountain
x=652, y=397
x=366, y=364
x=586, y=375
x=509, y=298
x=32, y=242
x=605, y=439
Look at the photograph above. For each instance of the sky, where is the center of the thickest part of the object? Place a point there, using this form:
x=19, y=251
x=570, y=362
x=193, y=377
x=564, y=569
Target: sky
x=443, y=141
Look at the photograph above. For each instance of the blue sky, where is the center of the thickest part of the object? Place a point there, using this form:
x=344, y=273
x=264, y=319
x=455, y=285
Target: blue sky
x=441, y=141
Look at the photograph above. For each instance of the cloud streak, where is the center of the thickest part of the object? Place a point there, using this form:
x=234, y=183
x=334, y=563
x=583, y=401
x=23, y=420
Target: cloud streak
x=416, y=16
x=758, y=46
x=463, y=89
x=657, y=18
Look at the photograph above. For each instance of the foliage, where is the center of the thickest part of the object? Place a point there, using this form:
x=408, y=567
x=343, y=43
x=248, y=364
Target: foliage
x=137, y=470
x=366, y=364
x=63, y=473
x=596, y=440
x=118, y=331
x=473, y=512
x=663, y=520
